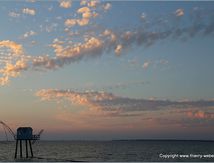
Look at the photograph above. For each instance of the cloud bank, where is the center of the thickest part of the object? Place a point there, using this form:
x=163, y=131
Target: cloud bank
x=108, y=102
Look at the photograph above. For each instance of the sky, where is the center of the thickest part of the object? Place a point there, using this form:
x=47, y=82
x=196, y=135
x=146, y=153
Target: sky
x=102, y=70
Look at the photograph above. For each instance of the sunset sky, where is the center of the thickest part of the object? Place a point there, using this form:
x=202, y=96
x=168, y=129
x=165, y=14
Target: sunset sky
x=108, y=70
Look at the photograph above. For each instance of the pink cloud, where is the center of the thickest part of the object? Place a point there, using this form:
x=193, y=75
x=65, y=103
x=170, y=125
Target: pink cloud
x=198, y=114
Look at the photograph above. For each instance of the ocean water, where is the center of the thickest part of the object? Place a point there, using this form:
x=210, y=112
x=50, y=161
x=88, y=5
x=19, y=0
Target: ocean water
x=118, y=151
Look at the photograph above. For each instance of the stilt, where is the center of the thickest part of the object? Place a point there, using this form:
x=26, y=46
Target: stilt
x=20, y=141
x=26, y=148
x=16, y=148
x=31, y=151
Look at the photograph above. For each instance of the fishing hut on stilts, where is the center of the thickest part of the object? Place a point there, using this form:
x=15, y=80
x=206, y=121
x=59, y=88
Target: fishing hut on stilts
x=24, y=134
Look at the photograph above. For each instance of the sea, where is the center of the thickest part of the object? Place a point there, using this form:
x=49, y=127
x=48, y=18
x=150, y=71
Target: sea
x=113, y=151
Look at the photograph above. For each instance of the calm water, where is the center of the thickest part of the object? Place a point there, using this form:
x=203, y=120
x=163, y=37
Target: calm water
x=111, y=150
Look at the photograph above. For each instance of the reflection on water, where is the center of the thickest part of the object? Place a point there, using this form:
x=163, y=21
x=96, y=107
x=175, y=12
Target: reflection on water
x=109, y=150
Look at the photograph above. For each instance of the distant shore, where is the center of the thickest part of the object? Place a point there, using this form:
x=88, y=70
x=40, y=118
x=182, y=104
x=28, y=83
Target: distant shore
x=183, y=140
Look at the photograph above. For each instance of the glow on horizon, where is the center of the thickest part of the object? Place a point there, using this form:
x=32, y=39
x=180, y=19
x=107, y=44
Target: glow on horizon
x=86, y=70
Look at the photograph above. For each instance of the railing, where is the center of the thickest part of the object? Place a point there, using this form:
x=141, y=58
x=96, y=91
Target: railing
x=34, y=137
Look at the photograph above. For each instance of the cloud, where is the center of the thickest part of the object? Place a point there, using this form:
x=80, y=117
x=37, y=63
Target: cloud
x=86, y=16
x=4, y=80
x=90, y=47
x=107, y=6
x=83, y=2
x=118, y=49
x=41, y=62
x=143, y=16
x=12, y=62
x=83, y=10
x=14, y=14
x=12, y=70
x=193, y=117
x=109, y=33
x=70, y=22
x=104, y=101
x=65, y=3
x=146, y=64
x=29, y=11
x=28, y=34
x=68, y=54
x=93, y=3
x=179, y=12
x=83, y=21
x=198, y=114
x=49, y=27
x=74, y=97
x=17, y=49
